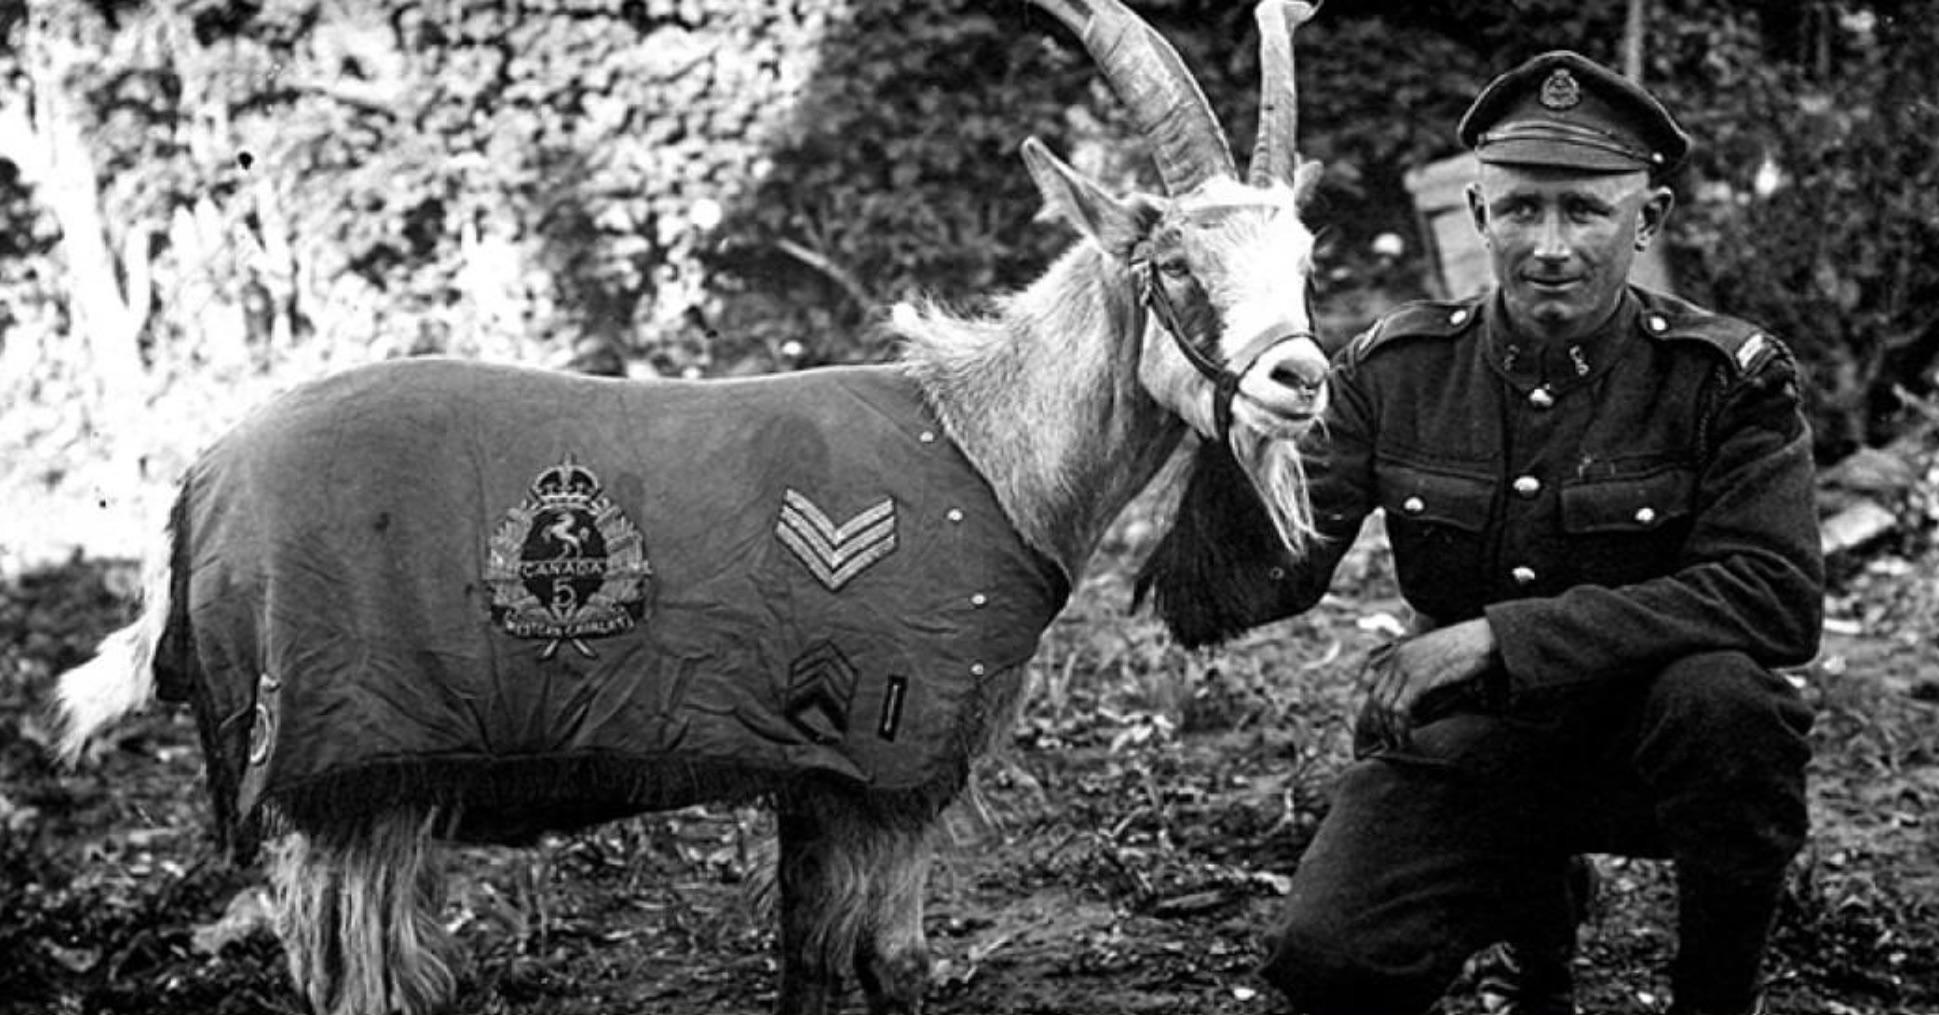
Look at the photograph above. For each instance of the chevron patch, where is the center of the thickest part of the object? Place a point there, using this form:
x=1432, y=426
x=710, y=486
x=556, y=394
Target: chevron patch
x=821, y=683
x=1748, y=352
x=835, y=553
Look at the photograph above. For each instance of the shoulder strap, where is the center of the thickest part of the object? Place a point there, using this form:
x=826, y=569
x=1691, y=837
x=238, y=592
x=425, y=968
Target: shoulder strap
x=1421, y=319
x=1744, y=347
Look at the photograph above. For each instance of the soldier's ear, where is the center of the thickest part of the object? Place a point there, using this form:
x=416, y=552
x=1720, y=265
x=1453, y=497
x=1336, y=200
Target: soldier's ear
x=1477, y=209
x=1654, y=212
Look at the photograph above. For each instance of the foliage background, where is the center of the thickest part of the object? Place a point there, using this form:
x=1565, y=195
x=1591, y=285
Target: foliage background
x=205, y=201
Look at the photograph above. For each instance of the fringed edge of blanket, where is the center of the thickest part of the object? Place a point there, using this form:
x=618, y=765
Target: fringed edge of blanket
x=483, y=799
x=601, y=787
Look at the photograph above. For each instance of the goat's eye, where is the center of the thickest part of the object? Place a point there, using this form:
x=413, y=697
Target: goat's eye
x=1175, y=267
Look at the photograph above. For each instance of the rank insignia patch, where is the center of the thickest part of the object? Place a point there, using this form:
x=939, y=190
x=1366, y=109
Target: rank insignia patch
x=821, y=683
x=835, y=553
x=567, y=565
x=1752, y=348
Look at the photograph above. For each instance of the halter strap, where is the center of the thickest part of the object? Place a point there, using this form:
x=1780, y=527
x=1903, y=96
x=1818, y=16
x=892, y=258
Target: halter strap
x=1225, y=380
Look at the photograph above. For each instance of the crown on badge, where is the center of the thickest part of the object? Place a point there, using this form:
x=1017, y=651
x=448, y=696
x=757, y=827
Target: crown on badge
x=564, y=483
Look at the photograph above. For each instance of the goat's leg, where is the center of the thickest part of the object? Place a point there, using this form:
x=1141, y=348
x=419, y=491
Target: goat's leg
x=892, y=961
x=851, y=901
x=357, y=908
x=817, y=928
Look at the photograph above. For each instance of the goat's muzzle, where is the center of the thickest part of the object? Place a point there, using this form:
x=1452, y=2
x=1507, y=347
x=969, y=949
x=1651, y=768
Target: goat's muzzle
x=1283, y=389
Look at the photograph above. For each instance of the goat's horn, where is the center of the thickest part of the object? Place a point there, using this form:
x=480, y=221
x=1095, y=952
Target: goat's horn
x=1275, y=152
x=1153, y=83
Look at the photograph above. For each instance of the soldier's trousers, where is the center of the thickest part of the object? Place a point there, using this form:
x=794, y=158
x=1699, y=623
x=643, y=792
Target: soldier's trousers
x=1461, y=838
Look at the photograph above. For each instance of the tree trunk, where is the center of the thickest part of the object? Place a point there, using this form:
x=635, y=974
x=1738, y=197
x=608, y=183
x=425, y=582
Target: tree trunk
x=1635, y=27
x=107, y=297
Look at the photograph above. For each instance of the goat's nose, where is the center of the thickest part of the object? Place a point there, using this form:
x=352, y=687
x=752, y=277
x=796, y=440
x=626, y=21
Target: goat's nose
x=1288, y=380
x=1300, y=364
x=1299, y=371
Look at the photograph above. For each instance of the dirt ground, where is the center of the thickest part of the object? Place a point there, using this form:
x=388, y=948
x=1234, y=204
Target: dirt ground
x=1125, y=855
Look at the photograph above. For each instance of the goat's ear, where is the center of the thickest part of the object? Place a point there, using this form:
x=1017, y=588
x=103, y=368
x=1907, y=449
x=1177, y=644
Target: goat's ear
x=1115, y=225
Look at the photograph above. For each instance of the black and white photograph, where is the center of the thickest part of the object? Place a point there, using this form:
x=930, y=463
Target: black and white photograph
x=969, y=507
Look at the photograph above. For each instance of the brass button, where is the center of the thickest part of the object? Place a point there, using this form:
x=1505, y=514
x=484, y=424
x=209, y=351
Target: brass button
x=927, y=436
x=1541, y=398
x=1527, y=486
x=979, y=599
x=977, y=669
x=1645, y=515
x=954, y=514
x=1657, y=323
x=1459, y=317
x=1523, y=575
x=1413, y=505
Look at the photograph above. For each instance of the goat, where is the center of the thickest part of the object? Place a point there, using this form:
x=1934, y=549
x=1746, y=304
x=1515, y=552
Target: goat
x=433, y=600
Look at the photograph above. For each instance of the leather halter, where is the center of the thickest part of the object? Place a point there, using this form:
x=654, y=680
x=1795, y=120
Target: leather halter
x=1225, y=380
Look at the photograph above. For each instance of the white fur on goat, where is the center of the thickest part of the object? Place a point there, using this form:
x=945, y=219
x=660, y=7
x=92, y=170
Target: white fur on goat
x=120, y=679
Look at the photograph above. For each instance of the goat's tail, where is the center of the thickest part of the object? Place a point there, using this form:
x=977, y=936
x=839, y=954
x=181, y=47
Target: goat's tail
x=121, y=677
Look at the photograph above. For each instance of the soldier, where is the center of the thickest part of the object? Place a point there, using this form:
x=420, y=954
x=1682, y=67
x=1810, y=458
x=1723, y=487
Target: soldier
x=1600, y=505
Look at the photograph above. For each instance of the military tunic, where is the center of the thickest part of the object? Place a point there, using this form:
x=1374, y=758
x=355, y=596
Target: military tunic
x=1632, y=513
x=1609, y=506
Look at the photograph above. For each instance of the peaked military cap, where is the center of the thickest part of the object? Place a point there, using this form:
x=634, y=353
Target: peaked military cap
x=1563, y=109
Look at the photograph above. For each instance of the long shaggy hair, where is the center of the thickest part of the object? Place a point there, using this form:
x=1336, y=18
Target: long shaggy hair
x=1056, y=478
x=1243, y=515
x=1278, y=473
x=1221, y=567
x=357, y=908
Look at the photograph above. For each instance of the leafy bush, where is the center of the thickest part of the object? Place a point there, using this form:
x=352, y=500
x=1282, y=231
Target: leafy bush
x=716, y=187
x=1816, y=205
x=899, y=175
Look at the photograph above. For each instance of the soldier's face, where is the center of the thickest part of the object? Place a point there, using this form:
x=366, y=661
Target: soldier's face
x=1562, y=241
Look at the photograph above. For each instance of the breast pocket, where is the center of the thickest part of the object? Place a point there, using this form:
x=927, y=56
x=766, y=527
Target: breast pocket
x=1436, y=520
x=1627, y=528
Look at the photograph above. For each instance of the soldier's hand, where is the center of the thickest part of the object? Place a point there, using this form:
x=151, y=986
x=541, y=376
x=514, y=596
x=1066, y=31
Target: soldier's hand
x=1403, y=673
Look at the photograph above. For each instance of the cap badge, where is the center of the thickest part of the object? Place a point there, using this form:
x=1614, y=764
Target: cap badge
x=1561, y=91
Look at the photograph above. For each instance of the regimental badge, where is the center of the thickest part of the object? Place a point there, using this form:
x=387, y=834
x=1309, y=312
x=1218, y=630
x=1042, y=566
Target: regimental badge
x=567, y=565
x=1561, y=90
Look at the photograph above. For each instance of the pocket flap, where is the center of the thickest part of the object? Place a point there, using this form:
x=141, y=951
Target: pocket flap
x=1418, y=495
x=1637, y=503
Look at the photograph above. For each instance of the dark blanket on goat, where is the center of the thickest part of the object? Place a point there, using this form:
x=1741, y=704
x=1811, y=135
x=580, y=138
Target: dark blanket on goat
x=553, y=599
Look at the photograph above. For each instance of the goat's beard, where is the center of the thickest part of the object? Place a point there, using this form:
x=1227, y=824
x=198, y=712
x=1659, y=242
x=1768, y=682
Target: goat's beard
x=1240, y=524
x=1278, y=474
